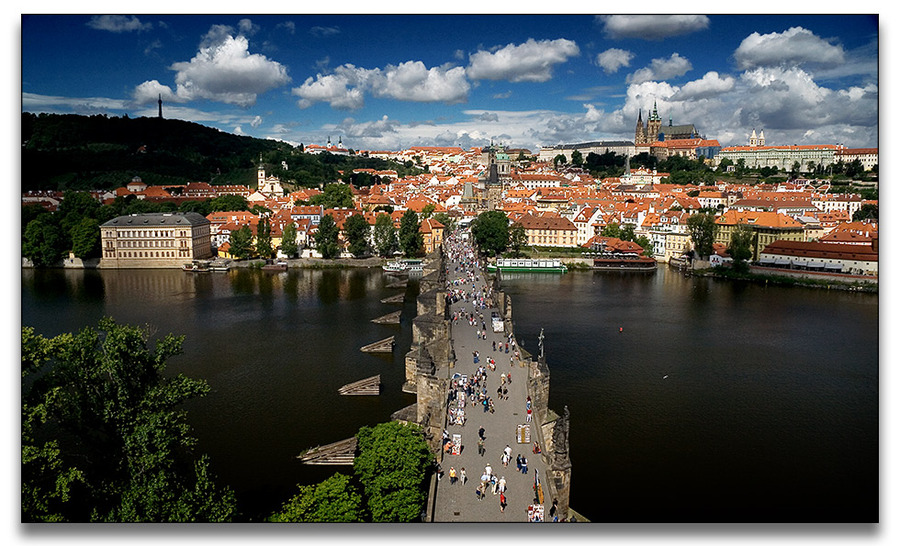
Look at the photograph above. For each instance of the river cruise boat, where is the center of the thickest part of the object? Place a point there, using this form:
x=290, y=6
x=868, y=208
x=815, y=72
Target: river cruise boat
x=403, y=266
x=539, y=265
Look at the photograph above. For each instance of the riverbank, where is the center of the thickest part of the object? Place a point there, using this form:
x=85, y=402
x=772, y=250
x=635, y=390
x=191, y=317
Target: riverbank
x=828, y=282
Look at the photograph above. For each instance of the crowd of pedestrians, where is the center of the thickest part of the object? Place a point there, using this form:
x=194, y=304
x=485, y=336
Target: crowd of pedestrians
x=478, y=387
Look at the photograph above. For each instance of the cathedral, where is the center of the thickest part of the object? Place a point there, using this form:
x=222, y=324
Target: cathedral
x=655, y=131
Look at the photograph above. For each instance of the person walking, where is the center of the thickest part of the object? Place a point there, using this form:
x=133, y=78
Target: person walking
x=501, y=485
x=481, y=446
x=481, y=432
x=524, y=465
x=502, y=502
x=462, y=475
x=452, y=475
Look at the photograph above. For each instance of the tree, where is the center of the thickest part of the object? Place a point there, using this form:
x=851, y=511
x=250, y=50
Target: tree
x=241, y=242
x=866, y=212
x=334, y=196
x=264, y=238
x=446, y=220
x=385, y=236
x=577, y=158
x=104, y=437
x=392, y=466
x=703, y=228
x=86, y=238
x=491, y=232
x=224, y=203
x=627, y=232
x=410, y=238
x=560, y=159
x=646, y=244
x=741, y=246
x=289, y=240
x=42, y=242
x=428, y=210
x=356, y=232
x=611, y=230
x=327, y=237
x=335, y=500
x=518, y=239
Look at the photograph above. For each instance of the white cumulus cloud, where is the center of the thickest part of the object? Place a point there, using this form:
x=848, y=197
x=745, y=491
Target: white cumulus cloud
x=532, y=61
x=346, y=87
x=225, y=71
x=661, y=69
x=710, y=85
x=651, y=27
x=795, y=46
x=118, y=23
x=613, y=59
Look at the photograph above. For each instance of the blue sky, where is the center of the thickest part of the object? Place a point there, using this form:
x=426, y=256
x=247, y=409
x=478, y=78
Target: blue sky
x=386, y=82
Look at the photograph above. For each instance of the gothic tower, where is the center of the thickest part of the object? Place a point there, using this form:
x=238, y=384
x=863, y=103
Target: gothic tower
x=654, y=125
x=639, y=135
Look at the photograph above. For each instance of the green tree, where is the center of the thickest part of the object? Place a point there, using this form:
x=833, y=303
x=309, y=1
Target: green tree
x=741, y=246
x=264, y=238
x=86, y=238
x=385, y=235
x=241, y=242
x=866, y=212
x=646, y=244
x=42, y=242
x=446, y=220
x=627, y=232
x=491, y=232
x=560, y=159
x=356, y=233
x=392, y=466
x=410, y=238
x=428, y=210
x=611, y=230
x=289, y=240
x=334, y=196
x=104, y=437
x=518, y=239
x=335, y=500
x=327, y=238
x=577, y=158
x=225, y=203
x=703, y=229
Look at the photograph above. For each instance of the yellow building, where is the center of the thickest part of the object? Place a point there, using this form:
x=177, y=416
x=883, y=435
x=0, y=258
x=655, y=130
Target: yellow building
x=155, y=240
x=549, y=230
x=432, y=234
x=767, y=227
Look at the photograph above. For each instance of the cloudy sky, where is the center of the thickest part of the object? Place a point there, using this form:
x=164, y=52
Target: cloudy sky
x=387, y=82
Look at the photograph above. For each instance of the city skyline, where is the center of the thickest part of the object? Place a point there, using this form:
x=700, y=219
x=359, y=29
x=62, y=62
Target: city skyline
x=388, y=82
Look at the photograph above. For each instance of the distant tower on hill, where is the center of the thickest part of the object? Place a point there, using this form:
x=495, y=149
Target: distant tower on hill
x=160, y=106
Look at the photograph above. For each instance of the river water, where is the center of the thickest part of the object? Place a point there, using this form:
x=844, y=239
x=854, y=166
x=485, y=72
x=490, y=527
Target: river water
x=716, y=401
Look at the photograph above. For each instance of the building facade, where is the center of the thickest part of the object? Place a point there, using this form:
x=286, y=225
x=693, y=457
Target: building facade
x=154, y=240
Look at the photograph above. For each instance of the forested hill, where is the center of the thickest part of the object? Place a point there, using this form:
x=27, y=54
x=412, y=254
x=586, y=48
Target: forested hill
x=72, y=152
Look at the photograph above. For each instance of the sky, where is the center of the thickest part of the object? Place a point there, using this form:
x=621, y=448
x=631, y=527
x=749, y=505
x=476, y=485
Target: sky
x=389, y=82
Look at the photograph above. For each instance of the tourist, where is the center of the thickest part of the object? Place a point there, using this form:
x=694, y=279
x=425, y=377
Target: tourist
x=519, y=462
x=481, y=432
x=524, y=465
x=501, y=485
x=452, y=474
x=462, y=475
x=481, y=446
x=502, y=502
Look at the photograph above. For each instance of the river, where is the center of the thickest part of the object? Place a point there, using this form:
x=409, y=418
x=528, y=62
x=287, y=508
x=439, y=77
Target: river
x=717, y=401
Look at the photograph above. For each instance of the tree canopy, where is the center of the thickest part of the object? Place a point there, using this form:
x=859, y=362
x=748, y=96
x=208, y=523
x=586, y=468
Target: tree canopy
x=356, y=232
x=385, y=235
x=410, y=238
x=491, y=232
x=392, y=466
x=103, y=435
x=703, y=228
x=327, y=237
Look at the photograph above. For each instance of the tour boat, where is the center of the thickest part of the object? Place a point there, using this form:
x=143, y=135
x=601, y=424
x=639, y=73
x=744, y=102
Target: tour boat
x=197, y=266
x=403, y=266
x=537, y=265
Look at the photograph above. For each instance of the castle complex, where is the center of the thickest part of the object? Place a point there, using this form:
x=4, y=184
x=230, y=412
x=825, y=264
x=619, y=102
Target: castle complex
x=655, y=131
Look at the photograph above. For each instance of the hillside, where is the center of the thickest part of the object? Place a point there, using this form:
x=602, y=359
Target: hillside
x=72, y=152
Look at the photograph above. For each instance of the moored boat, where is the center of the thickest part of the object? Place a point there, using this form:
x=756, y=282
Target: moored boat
x=527, y=265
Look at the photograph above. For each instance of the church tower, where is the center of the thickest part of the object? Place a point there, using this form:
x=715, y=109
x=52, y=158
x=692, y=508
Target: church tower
x=640, y=136
x=654, y=124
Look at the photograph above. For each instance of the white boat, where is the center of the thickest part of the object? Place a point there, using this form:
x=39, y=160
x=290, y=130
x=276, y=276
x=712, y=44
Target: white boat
x=403, y=266
x=542, y=265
